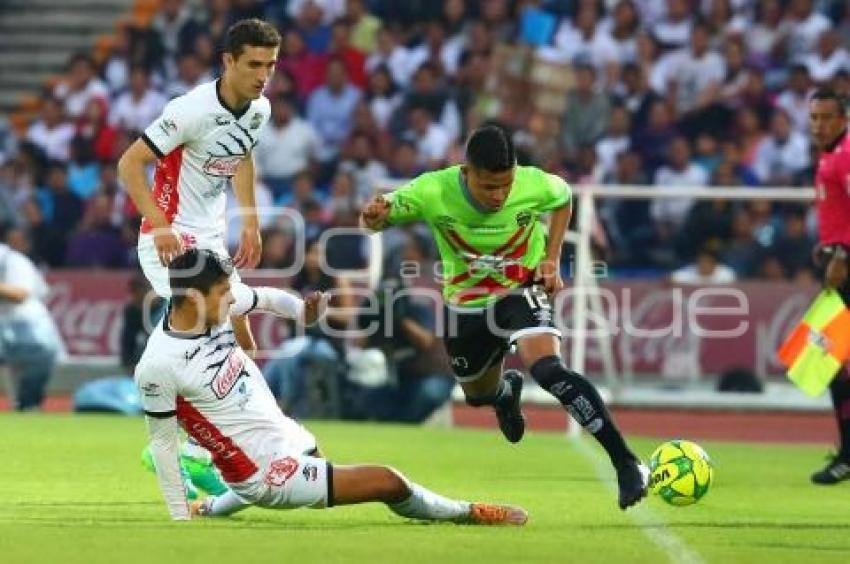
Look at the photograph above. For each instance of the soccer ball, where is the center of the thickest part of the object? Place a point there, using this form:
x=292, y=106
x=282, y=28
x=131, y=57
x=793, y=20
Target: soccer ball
x=680, y=472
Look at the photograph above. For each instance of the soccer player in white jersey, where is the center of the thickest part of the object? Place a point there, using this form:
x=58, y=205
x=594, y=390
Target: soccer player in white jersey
x=194, y=374
x=201, y=143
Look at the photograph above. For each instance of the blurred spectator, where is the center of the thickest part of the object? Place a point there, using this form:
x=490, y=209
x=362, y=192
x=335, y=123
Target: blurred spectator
x=288, y=145
x=383, y=96
x=615, y=142
x=426, y=91
x=308, y=69
x=805, y=25
x=81, y=84
x=623, y=26
x=8, y=140
x=750, y=133
x=47, y=244
x=63, y=208
x=139, y=106
x=743, y=253
x=314, y=25
x=277, y=248
x=627, y=222
x=190, y=74
x=652, y=143
x=329, y=111
x=364, y=26
x=585, y=41
x=354, y=59
x=637, y=96
x=97, y=243
x=783, y=155
x=795, y=98
x=29, y=341
x=794, y=245
x=419, y=378
x=303, y=190
x=405, y=162
x=94, y=128
x=706, y=271
x=438, y=50
x=52, y=133
x=176, y=28
x=328, y=10
x=673, y=30
x=681, y=174
x=586, y=118
x=394, y=57
x=319, y=350
x=83, y=170
x=708, y=223
x=828, y=58
x=765, y=39
x=431, y=139
x=363, y=166
x=139, y=313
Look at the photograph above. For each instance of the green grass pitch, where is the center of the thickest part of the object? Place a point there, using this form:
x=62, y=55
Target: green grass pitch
x=72, y=490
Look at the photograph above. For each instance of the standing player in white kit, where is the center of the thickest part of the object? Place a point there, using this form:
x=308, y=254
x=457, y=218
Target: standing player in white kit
x=201, y=143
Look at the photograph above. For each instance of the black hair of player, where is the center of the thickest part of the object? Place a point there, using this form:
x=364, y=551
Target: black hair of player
x=491, y=148
x=823, y=94
x=196, y=269
x=252, y=32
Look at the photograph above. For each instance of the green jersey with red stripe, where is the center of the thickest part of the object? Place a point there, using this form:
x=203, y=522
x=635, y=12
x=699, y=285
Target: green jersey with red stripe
x=484, y=253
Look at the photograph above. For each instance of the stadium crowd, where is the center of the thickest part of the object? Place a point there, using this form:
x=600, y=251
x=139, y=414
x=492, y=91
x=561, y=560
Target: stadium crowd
x=663, y=92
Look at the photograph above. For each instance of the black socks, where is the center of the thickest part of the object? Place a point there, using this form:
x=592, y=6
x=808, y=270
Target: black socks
x=583, y=402
x=839, y=389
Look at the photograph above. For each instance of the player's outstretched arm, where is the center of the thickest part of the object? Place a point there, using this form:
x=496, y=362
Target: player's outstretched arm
x=165, y=449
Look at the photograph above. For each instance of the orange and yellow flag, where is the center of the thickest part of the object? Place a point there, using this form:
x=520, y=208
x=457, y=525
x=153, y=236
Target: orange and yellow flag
x=820, y=345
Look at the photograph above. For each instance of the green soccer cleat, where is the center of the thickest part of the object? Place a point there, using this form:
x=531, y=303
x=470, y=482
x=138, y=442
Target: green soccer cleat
x=196, y=477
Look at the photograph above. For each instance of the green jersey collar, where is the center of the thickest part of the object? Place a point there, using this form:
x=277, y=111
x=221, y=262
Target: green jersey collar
x=465, y=189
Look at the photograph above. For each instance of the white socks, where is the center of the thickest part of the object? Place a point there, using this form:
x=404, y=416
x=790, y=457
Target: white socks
x=427, y=505
x=227, y=503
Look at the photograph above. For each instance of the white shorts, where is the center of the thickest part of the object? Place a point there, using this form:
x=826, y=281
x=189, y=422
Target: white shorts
x=157, y=274
x=287, y=480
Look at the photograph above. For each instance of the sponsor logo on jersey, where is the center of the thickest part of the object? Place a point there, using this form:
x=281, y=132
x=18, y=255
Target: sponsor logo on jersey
x=460, y=362
x=280, y=471
x=444, y=221
x=222, y=120
x=256, y=120
x=228, y=375
x=151, y=390
x=222, y=166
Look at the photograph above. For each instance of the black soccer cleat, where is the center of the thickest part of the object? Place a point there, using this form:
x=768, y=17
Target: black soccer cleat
x=633, y=481
x=509, y=411
x=836, y=471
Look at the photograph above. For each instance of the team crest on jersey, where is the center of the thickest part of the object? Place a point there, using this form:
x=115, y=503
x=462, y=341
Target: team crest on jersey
x=256, y=120
x=444, y=221
x=523, y=218
x=230, y=370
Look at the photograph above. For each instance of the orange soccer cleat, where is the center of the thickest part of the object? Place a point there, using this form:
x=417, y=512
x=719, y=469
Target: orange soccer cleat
x=493, y=514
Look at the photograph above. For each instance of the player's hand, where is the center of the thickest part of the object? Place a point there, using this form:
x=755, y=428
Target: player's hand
x=315, y=306
x=250, y=248
x=374, y=214
x=168, y=244
x=549, y=274
x=836, y=272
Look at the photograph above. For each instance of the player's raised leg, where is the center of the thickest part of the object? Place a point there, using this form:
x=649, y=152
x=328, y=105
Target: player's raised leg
x=581, y=399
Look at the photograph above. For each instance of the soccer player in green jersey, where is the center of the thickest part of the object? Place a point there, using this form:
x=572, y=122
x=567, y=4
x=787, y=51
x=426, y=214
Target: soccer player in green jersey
x=499, y=270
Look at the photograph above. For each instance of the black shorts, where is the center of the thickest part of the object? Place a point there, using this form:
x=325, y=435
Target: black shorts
x=478, y=338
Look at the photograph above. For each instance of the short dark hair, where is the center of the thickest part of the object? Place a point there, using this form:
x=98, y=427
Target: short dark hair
x=198, y=269
x=491, y=148
x=251, y=33
x=822, y=94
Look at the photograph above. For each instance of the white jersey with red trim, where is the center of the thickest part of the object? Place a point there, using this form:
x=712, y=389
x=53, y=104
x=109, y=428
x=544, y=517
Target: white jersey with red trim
x=220, y=399
x=200, y=141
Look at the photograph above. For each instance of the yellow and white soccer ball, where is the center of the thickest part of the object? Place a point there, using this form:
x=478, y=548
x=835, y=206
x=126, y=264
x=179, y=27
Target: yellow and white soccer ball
x=681, y=472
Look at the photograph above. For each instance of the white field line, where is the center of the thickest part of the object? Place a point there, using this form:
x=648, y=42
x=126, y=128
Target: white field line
x=651, y=525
